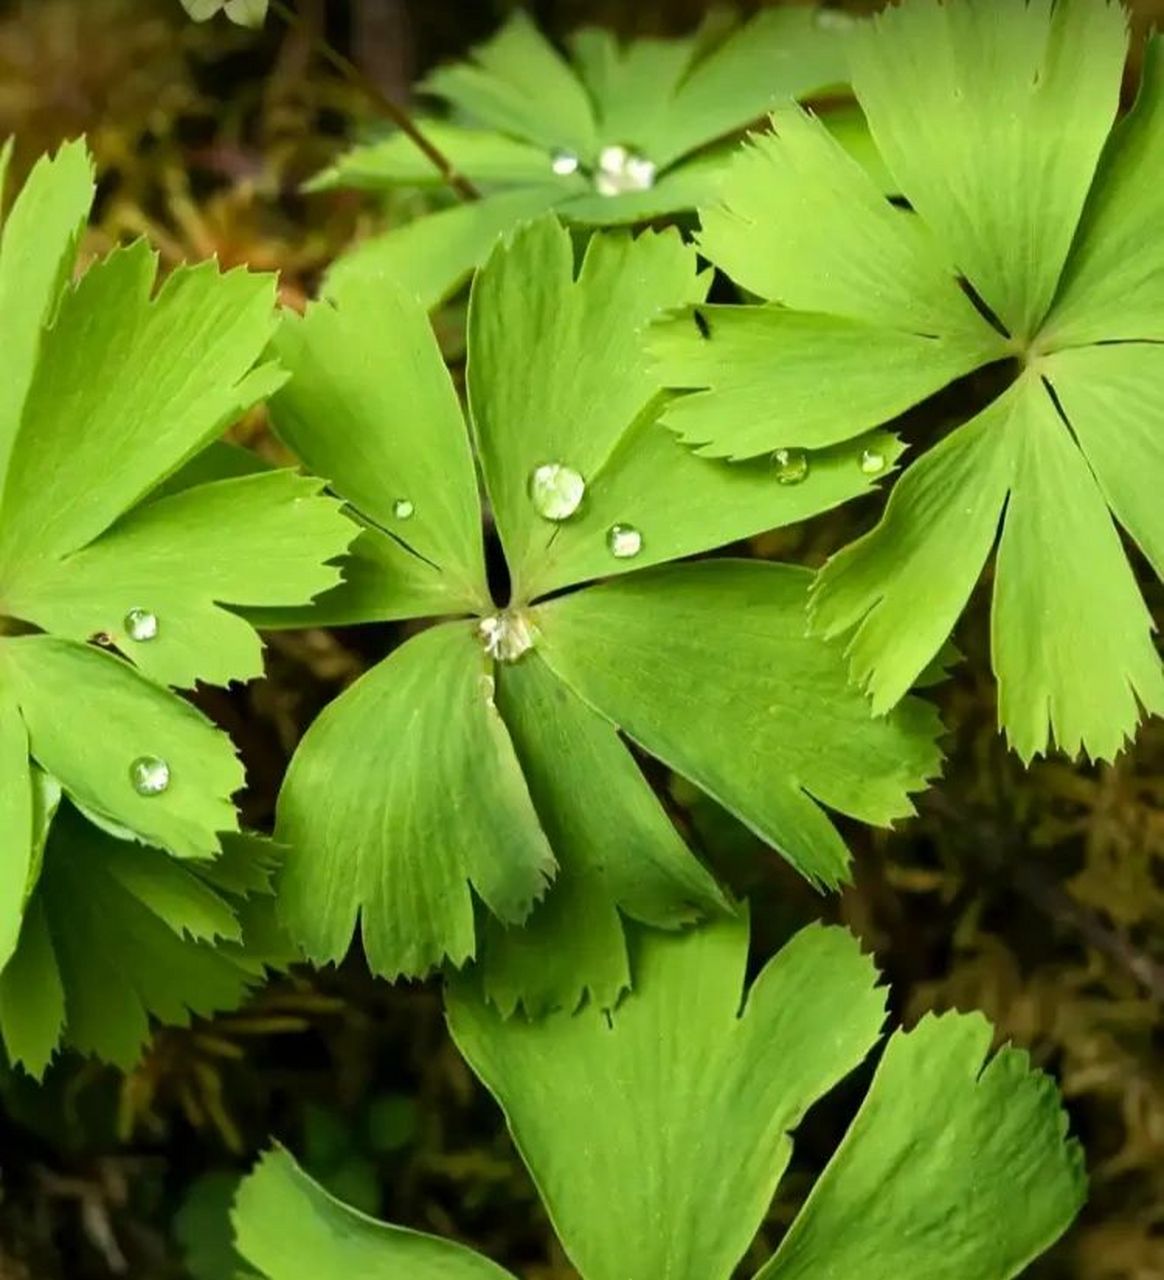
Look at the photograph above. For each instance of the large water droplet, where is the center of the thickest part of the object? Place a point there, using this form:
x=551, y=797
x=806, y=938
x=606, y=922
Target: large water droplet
x=624, y=541
x=506, y=636
x=556, y=490
x=403, y=509
x=621, y=170
x=872, y=462
x=150, y=775
x=790, y=465
x=141, y=625
x=563, y=162
x=833, y=19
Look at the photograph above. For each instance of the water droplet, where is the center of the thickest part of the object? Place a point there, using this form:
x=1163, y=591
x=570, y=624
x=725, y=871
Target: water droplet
x=834, y=20
x=872, y=462
x=624, y=541
x=791, y=465
x=506, y=636
x=141, y=625
x=403, y=509
x=621, y=170
x=556, y=490
x=563, y=162
x=150, y=775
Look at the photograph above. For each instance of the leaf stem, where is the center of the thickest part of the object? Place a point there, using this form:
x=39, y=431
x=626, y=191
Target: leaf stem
x=395, y=112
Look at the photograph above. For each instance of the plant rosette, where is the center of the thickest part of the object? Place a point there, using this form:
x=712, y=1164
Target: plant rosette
x=485, y=759
x=657, y=1134
x=1030, y=237
x=613, y=133
x=118, y=560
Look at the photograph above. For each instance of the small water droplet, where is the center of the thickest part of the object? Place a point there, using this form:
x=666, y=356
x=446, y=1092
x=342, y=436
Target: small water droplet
x=624, y=541
x=834, y=20
x=872, y=462
x=506, y=636
x=403, y=509
x=556, y=490
x=563, y=162
x=621, y=170
x=141, y=625
x=150, y=775
x=791, y=465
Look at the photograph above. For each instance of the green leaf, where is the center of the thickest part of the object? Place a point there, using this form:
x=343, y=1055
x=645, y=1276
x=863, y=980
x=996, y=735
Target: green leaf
x=801, y=223
x=37, y=249
x=617, y=851
x=432, y=257
x=291, y=1229
x=955, y=1167
x=755, y=376
x=257, y=540
x=730, y=636
x=403, y=794
x=126, y=390
x=997, y=140
x=202, y=1227
x=371, y=408
x=517, y=83
x=246, y=13
x=1113, y=283
x=32, y=996
x=90, y=716
x=1060, y=568
x=482, y=157
x=529, y=320
x=901, y=587
x=16, y=821
x=657, y=1134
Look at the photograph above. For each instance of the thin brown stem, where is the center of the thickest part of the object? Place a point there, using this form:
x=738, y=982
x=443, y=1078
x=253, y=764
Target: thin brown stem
x=393, y=110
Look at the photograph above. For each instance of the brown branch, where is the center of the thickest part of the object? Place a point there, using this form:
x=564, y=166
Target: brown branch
x=393, y=110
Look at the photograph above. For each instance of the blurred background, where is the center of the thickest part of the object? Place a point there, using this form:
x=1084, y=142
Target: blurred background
x=1037, y=896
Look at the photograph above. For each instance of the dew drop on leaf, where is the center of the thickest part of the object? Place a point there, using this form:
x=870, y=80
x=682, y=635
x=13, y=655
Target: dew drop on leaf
x=624, y=541
x=621, y=170
x=141, y=625
x=556, y=490
x=403, y=509
x=872, y=462
x=150, y=775
x=833, y=19
x=791, y=465
x=505, y=636
x=563, y=162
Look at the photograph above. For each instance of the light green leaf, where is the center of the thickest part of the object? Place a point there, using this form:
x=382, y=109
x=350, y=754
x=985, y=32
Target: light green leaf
x=997, y=140
x=955, y=1167
x=434, y=256
x=617, y=853
x=371, y=408
x=484, y=158
x=1113, y=283
x=201, y=10
x=691, y=660
x=901, y=587
x=779, y=54
x=529, y=320
x=32, y=996
x=681, y=504
x=657, y=1134
x=756, y=376
x=803, y=224
x=404, y=794
x=90, y=716
x=1071, y=635
x=126, y=390
x=37, y=249
x=173, y=891
x=1113, y=398
x=517, y=83
x=257, y=540
x=247, y=13
x=16, y=821
x=291, y=1229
